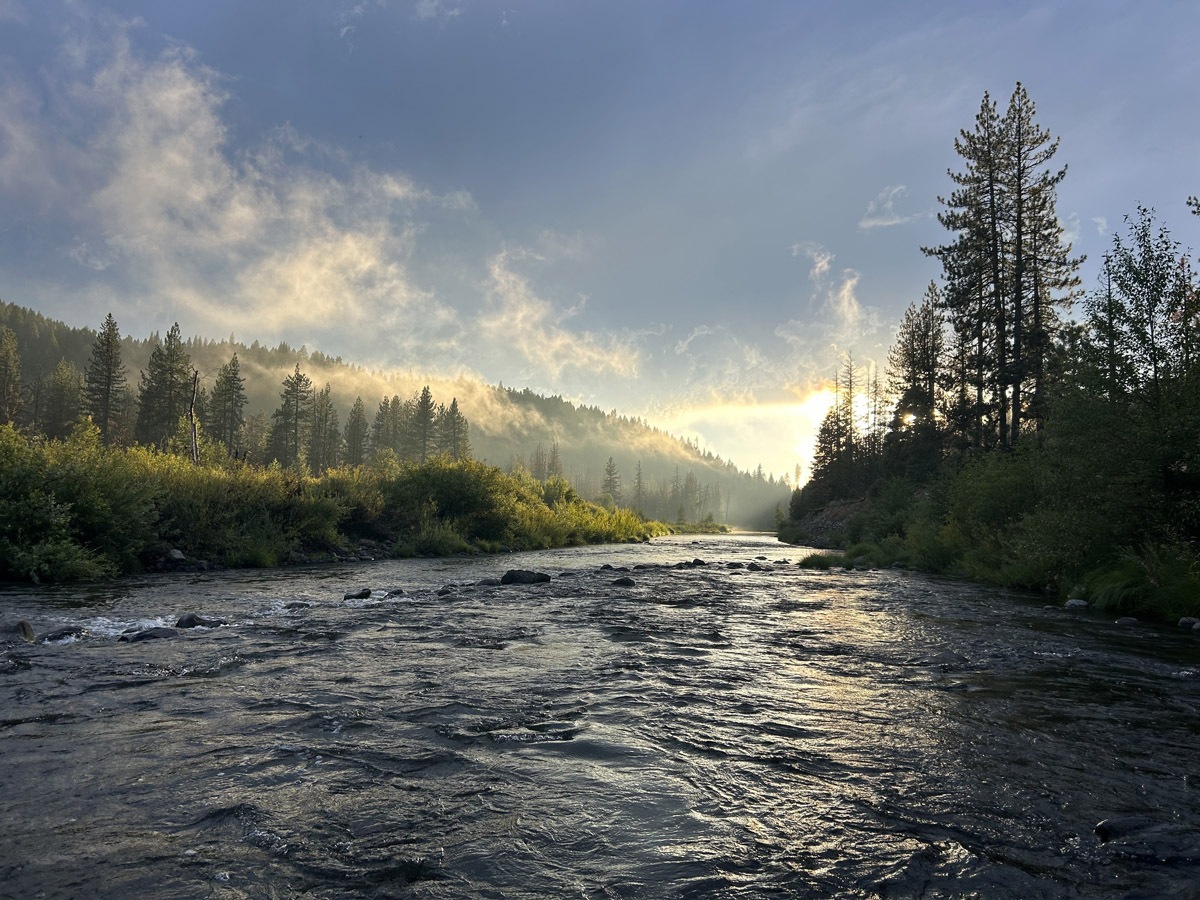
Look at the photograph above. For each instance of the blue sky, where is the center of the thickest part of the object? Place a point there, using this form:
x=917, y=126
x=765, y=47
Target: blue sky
x=688, y=212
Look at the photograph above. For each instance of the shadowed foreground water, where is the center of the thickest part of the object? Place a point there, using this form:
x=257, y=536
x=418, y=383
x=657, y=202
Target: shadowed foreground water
x=710, y=731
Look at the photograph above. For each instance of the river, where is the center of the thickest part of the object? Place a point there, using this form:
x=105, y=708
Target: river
x=743, y=728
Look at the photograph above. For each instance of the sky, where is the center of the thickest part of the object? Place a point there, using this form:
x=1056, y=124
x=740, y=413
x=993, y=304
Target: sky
x=688, y=212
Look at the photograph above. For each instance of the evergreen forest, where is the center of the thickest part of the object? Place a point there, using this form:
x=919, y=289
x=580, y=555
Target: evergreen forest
x=118, y=455
x=1033, y=432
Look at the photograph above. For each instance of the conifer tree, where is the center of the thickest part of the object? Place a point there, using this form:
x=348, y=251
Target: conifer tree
x=106, y=384
x=10, y=377
x=292, y=421
x=611, y=485
x=64, y=400
x=421, y=429
x=165, y=390
x=324, y=451
x=384, y=430
x=1008, y=267
x=453, y=434
x=356, y=435
x=226, y=408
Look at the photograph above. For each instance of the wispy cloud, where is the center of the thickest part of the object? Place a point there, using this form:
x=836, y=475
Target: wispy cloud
x=1101, y=224
x=530, y=325
x=12, y=11
x=435, y=11
x=285, y=239
x=682, y=347
x=881, y=212
x=821, y=258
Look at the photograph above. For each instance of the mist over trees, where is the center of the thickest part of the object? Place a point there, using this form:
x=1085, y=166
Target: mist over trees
x=305, y=410
x=1021, y=447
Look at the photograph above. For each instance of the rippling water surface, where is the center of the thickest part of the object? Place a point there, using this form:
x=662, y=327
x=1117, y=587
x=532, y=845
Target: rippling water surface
x=710, y=731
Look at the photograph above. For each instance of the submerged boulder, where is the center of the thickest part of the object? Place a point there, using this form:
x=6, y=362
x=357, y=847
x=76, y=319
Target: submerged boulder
x=364, y=594
x=24, y=630
x=624, y=581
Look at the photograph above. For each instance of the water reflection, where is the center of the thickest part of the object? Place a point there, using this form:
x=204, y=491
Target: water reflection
x=709, y=731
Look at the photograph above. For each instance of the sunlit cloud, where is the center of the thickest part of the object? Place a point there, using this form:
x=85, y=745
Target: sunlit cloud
x=821, y=258
x=682, y=347
x=529, y=324
x=286, y=239
x=881, y=212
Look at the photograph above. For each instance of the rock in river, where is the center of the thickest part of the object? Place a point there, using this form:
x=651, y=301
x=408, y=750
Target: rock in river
x=194, y=620
x=149, y=634
x=523, y=576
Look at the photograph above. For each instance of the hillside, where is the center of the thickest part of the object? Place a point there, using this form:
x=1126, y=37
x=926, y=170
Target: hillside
x=508, y=428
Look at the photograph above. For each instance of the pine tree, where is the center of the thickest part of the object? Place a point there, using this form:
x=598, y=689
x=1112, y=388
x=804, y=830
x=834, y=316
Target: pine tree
x=453, y=433
x=10, y=377
x=292, y=421
x=106, y=384
x=165, y=390
x=422, y=429
x=1008, y=267
x=64, y=400
x=611, y=485
x=384, y=434
x=324, y=451
x=225, y=415
x=639, y=489
x=356, y=435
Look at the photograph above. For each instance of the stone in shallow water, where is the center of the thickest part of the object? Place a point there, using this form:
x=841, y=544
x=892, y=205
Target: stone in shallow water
x=1189, y=622
x=523, y=576
x=149, y=634
x=1127, y=620
x=194, y=620
x=1076, y=603
x=624, y=581
x=364, y=594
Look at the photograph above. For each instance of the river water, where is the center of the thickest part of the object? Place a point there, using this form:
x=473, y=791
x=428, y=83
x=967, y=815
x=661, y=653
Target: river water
x=723, y=730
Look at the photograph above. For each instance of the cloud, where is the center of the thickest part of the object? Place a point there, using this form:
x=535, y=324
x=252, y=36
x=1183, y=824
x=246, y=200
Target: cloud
x=286, y=239
x=1101, y=224
x=820, y=257
x=434, y=10
x=524, y=322
x=881, y=212
x=12, y=11
x=700, y=331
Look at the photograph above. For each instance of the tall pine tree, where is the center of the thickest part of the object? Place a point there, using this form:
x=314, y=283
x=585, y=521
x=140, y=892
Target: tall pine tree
x=105, y=382
x=165, y=390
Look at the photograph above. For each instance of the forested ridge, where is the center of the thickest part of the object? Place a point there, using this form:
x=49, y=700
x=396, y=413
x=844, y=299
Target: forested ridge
x=1040, y=435
x=118, y=455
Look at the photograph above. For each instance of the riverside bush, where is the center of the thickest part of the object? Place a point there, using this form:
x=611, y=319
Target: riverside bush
x=75, y=509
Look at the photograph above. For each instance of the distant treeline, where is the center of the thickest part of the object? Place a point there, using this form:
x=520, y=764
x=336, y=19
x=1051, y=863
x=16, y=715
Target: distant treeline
x=1022, y=448
x=299, y=408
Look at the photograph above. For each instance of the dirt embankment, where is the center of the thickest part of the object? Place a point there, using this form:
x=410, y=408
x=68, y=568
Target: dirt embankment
x=819, y=529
